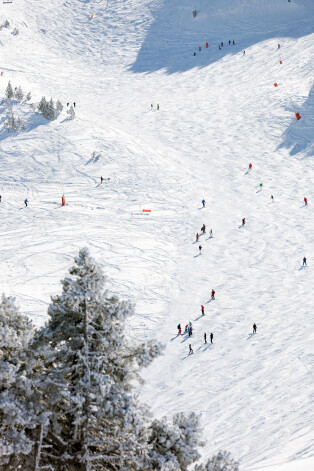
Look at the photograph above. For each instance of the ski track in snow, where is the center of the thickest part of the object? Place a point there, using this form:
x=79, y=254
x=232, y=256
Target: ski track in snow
x=218, y=112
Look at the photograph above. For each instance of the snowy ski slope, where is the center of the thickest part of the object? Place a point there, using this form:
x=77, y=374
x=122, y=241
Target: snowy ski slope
x=219, y=111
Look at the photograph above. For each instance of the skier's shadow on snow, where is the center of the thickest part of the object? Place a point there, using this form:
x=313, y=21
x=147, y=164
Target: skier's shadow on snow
x=173, y=338
x=258, y=191
x=240, y=226
x=208, y=238
x=195, y=256
x=251, y=335
x=207, y=346
x=301, y=268
x=185, y=338
x=199, y=317
x=210, y=300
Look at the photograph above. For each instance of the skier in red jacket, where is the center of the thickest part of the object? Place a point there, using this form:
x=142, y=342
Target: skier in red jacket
x=305, y=201
x=213, y=294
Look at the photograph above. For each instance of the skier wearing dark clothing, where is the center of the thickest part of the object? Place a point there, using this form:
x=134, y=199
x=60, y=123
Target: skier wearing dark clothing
x=190, y=349
x=304, y=261
x=25, y=202
x=179, y=329
x=211, y=233
x=101, y=179
x=68, y=104
x=222, y=44
x=254, y=328
x=229, y=42
x=233, y=43
x=203, y=228
x=205, y=341
x=203, y=203
x=213, y=294
x=194, y=54
x=200, y=248
x=243, y=222
x=271, y=197
x=211, y=338
x=203, y=311
x=74, y=104
x=0, y=198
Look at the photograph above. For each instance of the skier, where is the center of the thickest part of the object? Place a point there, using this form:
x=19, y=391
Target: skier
x=278, y=47
x=203, y=228
x=190, y=349
x=211, y=338
x=0, y=198
x=271, y=197
x=199, y=48
x=233, y=43
x=244, y=53
x=261, y=186
x=194, y=54
x=74, y=104
x=205, y=341
x=203, y=203
x=151, y=106
x=229, y=42
x=203, y=311
x=304, y=261
x=179, y=329
x=219, y=47
x=243, y=222
x=250, y=167
x=305, y=201
x=197, y=237
x=157, y=106
x=200, y=249
x=101, y=179
x=254, y=328
x=213, y=294
x=222, y=44
x=25, y=201
x=68, y=104
x=211, y=233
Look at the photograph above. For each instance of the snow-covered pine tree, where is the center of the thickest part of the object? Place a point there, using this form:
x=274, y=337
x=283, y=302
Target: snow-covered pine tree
x=59, y=106
x=18, y=416
x=71, y=112
x=9, y=91
x=42, y=107
x=19, y=95
x=175, y=446
x=11, y=121
x=88, y=368
x=220, y=462
x=51, y=111
x=28, y=96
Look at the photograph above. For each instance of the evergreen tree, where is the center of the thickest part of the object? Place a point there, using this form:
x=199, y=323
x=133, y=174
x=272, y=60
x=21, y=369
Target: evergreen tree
x=59, y=106
x=17, y=396
x=9, y=91
x=51, y=111
x=220, y=462
x=43, y=106
x=88, y=367
x=11, y=121
x=175, y=446
x=19, y=95
x=71, y=112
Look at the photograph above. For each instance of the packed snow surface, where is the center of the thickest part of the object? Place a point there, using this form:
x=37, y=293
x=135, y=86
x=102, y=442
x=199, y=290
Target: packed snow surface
x=219, y=111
